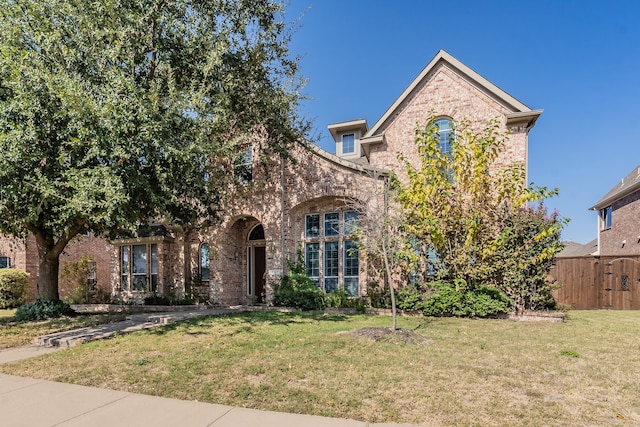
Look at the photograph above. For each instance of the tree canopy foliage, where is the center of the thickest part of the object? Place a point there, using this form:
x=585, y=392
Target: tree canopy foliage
x=116, y=113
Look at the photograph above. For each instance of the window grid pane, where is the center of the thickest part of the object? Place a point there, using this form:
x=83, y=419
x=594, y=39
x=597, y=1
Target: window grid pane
x=331, y=224
x=351, y=265
x=348, y=143
x=350, y=222
x=312, y=260
x=331, y=259
x=312, y=226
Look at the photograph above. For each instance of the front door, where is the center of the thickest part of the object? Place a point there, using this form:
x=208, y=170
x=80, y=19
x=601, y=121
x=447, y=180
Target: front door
x=257, y=261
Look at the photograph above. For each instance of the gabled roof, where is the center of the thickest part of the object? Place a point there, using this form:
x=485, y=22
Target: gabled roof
x=628, y=185
x=518, y=111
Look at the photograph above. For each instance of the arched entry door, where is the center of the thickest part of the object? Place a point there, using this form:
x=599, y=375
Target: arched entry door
x=256, y=263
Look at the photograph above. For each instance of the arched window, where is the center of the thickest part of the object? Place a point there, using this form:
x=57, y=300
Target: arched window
x=257, y=233
x=444, y=131
x=203, y=262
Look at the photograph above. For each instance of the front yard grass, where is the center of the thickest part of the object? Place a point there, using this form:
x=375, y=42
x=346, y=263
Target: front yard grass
x=585, y=371
x=16, y=334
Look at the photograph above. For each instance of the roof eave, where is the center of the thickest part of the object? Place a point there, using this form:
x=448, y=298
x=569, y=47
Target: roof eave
x=526, y=118
x=607, y=201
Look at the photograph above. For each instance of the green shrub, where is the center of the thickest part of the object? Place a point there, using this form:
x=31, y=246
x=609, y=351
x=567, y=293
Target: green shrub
x=338, y=298
x=410, y=298
x=461, y=301
x=486, y=301
x=43, y=309
x=378, y=296
x=13, y=287
x=157, y=300
x=297, y=290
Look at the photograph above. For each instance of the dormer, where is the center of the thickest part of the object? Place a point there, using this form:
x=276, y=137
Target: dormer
x=347, y=138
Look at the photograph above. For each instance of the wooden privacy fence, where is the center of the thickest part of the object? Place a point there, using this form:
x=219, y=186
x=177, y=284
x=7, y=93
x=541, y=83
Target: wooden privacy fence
x=592, y=282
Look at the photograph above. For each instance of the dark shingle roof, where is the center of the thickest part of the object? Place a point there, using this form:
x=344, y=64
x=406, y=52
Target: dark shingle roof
x=628, y=185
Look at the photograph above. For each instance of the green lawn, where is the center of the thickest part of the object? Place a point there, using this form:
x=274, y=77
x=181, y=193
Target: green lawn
x=7, y=312
x=15, y=334
x=585, y=371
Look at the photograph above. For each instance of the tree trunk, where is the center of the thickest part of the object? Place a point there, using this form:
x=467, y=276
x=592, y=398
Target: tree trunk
x=391, y=289
x=48, y=267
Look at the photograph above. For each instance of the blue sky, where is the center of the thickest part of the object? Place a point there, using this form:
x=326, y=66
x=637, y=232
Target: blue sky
x=579, y=61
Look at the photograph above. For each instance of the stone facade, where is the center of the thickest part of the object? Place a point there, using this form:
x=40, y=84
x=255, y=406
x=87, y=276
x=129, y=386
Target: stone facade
x=304, y=203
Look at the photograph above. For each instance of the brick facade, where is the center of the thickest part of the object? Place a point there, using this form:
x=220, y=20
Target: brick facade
x=243, y=265
x=622, y=237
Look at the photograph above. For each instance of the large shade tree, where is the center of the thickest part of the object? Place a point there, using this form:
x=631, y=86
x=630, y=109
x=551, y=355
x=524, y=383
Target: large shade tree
x=116, y=113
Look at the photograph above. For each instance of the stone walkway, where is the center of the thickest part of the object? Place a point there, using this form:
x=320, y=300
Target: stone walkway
x=39, y=403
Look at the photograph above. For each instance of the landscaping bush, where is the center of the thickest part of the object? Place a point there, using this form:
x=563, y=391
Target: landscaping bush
x=378, y=296
x=410, y=298
x=461, y=301
x=13, y=287
x=43, y=309
x=341, y=299
x=157, y=300
x=297, y=290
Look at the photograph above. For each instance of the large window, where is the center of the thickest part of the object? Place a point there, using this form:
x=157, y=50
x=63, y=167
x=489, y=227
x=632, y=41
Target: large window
x=348, y=143
x=5, y=262
x=331, y=257
x=203, y=262
x=139, y=268
x=606, y=217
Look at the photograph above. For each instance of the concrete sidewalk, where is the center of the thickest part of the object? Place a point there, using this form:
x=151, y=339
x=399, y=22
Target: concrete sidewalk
x=38, y=403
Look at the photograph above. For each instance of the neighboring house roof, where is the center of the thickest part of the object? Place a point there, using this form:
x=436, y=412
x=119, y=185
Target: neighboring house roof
x=628, y=185
x=518, y=112
x=574, y=249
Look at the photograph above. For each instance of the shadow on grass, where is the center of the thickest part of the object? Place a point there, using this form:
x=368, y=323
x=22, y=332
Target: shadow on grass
x=246, y=320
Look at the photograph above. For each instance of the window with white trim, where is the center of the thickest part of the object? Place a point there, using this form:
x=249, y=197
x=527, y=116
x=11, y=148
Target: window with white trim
x=139, y=268
x=331, y=262
x=351, y=268
x=312, y=261
x=331, y=257
x=444, y=132
x=348, y=143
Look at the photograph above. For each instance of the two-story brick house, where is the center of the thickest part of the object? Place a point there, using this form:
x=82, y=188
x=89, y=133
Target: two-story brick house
x=285, y=205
